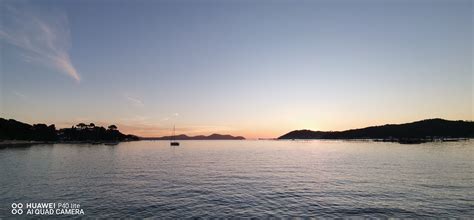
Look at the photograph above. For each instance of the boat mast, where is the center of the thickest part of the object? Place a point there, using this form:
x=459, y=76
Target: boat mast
x=172, y=136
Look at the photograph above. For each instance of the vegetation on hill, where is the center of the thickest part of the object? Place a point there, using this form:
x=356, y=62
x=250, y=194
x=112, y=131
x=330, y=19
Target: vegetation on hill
x=425, y=129
x=15, y=130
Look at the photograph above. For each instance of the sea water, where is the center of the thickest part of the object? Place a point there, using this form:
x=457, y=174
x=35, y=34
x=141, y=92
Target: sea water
x=242, y=179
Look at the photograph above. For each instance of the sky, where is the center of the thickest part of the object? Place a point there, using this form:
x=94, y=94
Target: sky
x=253, y=68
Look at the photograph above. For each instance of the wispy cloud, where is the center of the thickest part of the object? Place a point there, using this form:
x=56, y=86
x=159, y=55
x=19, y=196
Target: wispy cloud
x=134, y=101
x=43, y=36
x=19, y=94
x=203, y=129
x=167, y=118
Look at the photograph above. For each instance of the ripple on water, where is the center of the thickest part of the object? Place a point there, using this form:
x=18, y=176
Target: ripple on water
x=246, y=179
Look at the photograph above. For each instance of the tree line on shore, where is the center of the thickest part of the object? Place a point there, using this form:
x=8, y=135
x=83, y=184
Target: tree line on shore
x=15, y=130
x=429, y=129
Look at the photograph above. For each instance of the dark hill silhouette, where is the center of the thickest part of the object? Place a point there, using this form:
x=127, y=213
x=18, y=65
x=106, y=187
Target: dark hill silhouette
x=425, y=129
x=15, y=130
x=199, y=137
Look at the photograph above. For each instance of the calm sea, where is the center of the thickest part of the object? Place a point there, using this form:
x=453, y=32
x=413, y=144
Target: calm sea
x=244, y=178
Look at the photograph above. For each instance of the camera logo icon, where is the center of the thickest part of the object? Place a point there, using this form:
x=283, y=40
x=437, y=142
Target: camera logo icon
x=17, y=208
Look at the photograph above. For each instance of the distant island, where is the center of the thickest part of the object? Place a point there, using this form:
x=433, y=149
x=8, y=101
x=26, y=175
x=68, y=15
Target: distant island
x=414, y=132
x=199, y=137
x=19, y=131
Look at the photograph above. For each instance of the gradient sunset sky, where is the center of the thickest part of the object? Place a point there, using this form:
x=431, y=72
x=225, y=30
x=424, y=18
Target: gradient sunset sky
x=253, y=68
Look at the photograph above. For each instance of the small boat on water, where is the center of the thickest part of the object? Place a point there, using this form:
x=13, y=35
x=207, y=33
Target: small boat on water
x=173, y=142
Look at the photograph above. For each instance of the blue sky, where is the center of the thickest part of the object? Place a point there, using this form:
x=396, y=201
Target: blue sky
x=253, y=68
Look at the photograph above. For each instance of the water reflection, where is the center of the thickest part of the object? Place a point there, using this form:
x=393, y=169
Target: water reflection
x=245, y=178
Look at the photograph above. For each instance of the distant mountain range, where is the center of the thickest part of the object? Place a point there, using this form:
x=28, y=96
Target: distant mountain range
x=425, y=129
x=199, y=137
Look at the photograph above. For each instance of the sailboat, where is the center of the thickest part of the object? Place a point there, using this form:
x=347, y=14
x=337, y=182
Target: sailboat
x=173, y=142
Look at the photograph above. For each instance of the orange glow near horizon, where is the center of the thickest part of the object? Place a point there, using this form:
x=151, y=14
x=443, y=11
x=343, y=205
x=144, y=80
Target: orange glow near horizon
x=255, y=132
x=267, y=128
x=263, y=128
